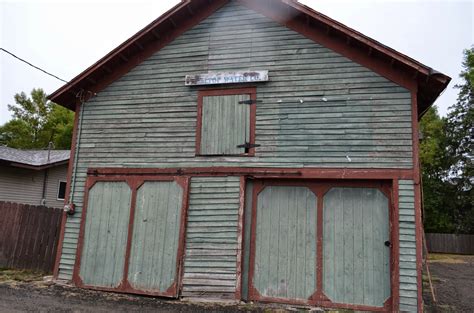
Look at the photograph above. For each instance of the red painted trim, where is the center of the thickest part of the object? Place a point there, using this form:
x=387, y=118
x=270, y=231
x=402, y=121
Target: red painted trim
x=418, y=199
x=62, y=232
x=240, y=241
x=185, y=184
x=415, y=137
x=395, y=238
x=252, y=91
x=263, y=172
x=320, y=188
x=134, y=183
x=419, y=251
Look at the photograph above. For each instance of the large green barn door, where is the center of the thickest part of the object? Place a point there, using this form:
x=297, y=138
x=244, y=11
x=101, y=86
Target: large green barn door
x=356, y=267
x=156, y=237
x=285, y=248
x=105, y=235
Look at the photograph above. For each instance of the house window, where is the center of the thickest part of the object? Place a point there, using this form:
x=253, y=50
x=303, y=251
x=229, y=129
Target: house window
x=61, y=190
x=226, y=122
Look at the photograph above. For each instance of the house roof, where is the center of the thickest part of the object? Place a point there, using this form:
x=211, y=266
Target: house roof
x=36, y=159
x=188, y=13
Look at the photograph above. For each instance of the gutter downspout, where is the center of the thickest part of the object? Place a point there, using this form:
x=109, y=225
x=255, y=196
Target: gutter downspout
x=70, y=207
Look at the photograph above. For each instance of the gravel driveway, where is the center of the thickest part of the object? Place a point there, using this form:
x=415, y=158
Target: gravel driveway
x=453, y=280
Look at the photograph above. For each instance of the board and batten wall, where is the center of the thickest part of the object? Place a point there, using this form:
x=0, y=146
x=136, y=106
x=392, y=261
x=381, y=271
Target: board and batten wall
x=319, y=109
x=26, y=186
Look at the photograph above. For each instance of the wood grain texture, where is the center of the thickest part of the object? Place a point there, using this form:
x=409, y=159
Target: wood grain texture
x=356, y=263
x=285, y=258
x=211, y=238
x=155, y=236
x=105, y=235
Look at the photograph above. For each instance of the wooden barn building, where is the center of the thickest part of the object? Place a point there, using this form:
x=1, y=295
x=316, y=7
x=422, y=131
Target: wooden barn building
x=248, y=150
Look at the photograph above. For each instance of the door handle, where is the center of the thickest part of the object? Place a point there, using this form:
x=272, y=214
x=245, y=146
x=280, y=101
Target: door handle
x=388, y=244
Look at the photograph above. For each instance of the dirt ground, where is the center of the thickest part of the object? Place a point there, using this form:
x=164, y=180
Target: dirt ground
x=49, y=297
x=452, y=275
x=453, y=280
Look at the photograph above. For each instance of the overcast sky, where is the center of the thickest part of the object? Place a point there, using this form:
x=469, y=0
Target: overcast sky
x=65, y=37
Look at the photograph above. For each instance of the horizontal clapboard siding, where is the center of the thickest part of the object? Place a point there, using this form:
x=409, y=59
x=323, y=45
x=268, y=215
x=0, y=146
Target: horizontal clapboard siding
x=210, y=266
x=319, y=108
x=408, y=275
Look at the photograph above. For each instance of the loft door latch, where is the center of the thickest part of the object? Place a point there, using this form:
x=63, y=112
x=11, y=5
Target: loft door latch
x=248, y=145
x=250, y=102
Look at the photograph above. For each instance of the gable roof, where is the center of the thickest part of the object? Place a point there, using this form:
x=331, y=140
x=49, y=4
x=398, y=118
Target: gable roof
x=37, y=159
x=382, y=59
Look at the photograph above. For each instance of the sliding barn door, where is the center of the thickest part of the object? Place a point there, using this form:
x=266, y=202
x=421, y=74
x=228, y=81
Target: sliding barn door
x=131, y=236
x=285, y=247
x=356, y=252
x=105, y=234
x=156, y=237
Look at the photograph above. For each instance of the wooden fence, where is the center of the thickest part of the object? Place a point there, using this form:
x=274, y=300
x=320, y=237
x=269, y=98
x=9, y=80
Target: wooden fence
x=29, y=236
x=450, y=243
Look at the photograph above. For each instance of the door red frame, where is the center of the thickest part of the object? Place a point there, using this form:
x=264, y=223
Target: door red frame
x=135, y=182
x=320, y=188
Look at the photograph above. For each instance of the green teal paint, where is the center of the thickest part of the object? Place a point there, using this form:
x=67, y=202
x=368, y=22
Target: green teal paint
x=155, y=236
x=210, y=265
x=247, y=238
x=285, y=247
x=149, y=117
x=225, y=125
x=105, y=235
x=408, y=287
x=356, y=262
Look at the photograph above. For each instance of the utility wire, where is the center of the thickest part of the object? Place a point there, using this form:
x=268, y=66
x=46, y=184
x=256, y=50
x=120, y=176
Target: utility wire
x=34, y=66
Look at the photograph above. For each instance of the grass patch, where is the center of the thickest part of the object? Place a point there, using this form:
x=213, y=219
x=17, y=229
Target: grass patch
x=446, y=258
x=8, y=274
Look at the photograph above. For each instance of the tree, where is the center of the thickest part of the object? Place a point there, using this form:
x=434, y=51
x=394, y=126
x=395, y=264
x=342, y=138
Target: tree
x=460, y=147
x=37, y=121
x=434, y=165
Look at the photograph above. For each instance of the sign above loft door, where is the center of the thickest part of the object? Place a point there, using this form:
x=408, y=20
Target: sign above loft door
x=220, y=78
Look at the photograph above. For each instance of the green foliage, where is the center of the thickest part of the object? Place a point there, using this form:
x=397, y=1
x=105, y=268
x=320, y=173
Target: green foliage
x=37, y=121
x=446, y=155
x=460, y=146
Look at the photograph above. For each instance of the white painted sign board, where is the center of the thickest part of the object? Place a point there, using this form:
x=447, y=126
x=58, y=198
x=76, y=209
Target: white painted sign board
x=220, y=78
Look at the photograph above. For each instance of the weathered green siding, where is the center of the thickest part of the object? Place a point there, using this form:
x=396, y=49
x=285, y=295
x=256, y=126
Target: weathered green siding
x=210, y=265
x=155, y=236
x=319, y=108
x=408, y=275
x=285, y=246
x=356, y=262
x=105, y=235
x=225, y=125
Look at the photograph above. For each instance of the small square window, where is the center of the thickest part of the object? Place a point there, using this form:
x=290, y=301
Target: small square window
x=62, y=190
x=226, y=122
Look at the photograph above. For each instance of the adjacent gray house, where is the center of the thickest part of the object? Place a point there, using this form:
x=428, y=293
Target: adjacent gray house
x=36, y=177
